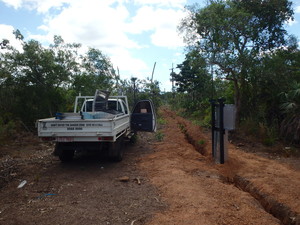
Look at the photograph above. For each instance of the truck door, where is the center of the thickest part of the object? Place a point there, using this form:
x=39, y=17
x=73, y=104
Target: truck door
x=143, y=116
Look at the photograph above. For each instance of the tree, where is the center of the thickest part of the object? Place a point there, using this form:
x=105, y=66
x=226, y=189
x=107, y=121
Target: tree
x=150, y=90
x=233, y=35
x=4, y=43
x=38, y=81
x=194, y=79
x=40, y=76
x=272, y=75
x=290, y=126
x=35, y=79
x=97, y=73
x=193, y=75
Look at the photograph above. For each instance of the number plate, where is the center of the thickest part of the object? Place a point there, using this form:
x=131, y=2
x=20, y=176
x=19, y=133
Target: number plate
x=64, y=139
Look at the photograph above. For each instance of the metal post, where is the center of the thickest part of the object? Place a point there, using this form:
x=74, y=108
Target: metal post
x=221, y=129
x=134, y=98
x=133, y=79
x=213, y=121
x=172, y=79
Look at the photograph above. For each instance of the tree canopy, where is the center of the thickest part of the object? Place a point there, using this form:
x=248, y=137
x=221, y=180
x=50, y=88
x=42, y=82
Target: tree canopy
x=233, y=35
x=38, y=81
x=251, y=60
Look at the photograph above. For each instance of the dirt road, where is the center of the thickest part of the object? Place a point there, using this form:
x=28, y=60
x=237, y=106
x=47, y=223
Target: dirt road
x=166, y=182
x=89, y=190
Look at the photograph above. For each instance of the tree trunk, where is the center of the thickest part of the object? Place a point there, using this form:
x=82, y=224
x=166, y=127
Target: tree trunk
x=237, y=101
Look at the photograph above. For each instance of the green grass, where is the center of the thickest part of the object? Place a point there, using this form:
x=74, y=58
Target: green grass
x=161, y=121
x=159, y=136
x=201, y=142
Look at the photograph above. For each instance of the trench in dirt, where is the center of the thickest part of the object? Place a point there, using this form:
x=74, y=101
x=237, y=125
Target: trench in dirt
x=270, y=205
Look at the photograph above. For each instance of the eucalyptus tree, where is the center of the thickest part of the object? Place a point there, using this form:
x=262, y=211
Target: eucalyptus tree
x=194, y=80
x=42, y=74
x=233, y=35
x=97, y=72
x=37, y=77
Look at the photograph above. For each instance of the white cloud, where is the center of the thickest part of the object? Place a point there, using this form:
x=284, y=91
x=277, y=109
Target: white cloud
x=41, y=6
x=166, y=38
x=168, y=3
x=6, y=32
x=41, y=38
x=43, y=28
x=100, y=25
x=14, y=3
x=128, y=65
x=297, y=9
x=144, y=20
x=109, y=26
x=179, y=54
x=45, y=5
x=96, y=24
x=161, y=22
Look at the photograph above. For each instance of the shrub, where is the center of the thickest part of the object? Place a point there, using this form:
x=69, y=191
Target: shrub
x=7, y=130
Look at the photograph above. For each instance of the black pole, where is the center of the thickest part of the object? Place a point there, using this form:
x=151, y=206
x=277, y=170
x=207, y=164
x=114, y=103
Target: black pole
x=133, y=79
x=213, y=121
x=134, y=98
x=221, y=127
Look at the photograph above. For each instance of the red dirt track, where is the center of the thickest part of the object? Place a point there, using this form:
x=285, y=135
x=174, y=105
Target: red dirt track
x=158, y=183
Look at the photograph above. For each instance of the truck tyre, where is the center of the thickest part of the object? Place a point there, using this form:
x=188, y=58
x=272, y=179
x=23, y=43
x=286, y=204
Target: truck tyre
x=66, y=155
x=66, y=152
x=116, y=150
x=57, y=149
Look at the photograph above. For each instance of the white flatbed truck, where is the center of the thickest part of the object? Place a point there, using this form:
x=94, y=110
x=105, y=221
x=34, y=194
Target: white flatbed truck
x=101, y=123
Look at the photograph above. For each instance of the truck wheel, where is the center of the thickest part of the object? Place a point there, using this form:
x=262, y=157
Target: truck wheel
x=57, y=149
x=66, y=155
x=116, y=150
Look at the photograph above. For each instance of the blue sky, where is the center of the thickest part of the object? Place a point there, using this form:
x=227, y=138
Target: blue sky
x=133, y=33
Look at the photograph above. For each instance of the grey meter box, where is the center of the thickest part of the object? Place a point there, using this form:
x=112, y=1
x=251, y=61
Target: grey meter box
x=229, y=116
